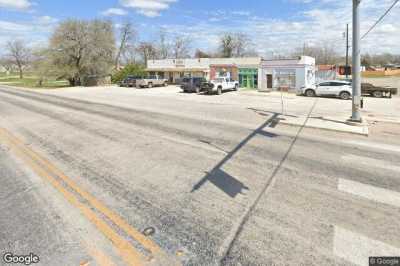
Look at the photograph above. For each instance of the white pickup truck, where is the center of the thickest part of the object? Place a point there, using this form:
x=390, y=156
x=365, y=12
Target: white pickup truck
x=219, y=85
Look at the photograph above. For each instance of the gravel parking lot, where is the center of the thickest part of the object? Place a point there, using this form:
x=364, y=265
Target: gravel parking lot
x=287, y=103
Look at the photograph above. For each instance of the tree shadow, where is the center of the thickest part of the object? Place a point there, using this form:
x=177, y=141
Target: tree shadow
x=227, y=183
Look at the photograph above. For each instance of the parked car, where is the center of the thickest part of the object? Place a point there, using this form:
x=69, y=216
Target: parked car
x=129, y=81
x=219, y=85
x=192, y=84
x=337, y=88
x=150, y=82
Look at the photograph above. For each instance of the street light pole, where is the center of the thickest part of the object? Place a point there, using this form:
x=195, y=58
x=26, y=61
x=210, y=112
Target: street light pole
x=347, y=51
x=356, y=71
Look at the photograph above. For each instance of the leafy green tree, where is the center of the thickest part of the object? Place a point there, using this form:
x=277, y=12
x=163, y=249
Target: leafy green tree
x=129, y=70
x=80, y=49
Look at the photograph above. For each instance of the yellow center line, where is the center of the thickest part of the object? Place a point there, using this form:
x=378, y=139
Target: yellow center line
x=117, y=220
x=129, y=254
x=100, y=258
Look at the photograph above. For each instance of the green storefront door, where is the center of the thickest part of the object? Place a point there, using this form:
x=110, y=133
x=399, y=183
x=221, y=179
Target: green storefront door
x=248, y=78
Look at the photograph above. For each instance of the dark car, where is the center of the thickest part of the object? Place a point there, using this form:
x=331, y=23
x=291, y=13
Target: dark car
x=192, y=84
x=129, y=81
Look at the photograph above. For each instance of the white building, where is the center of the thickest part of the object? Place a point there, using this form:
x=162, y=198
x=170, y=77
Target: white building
x=288, y=74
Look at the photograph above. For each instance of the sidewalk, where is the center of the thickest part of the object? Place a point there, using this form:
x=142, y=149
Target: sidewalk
x=339, y=124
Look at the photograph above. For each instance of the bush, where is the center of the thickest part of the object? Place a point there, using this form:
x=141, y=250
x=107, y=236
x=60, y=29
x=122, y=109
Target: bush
x=129, y=70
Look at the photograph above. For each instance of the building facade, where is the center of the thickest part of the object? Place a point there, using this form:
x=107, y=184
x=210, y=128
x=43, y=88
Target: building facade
x=175, y=69
x=326, y=72
x=286, y=74
x=243, y=69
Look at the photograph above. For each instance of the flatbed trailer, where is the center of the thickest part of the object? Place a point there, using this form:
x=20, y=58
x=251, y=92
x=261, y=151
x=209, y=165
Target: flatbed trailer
x=378, y=91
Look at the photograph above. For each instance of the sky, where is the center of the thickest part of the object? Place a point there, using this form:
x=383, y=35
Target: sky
x=274, y=26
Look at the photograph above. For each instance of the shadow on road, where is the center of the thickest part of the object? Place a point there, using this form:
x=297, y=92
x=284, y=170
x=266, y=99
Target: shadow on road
x=227, y=183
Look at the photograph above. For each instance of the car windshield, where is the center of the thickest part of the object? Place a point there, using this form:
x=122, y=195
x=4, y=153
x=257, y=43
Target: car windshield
x=219, y=80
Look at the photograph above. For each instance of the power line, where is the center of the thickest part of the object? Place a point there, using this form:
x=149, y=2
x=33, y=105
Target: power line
x=380, y=19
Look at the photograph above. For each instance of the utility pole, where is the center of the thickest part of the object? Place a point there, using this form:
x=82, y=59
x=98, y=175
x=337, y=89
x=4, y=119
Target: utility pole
x=347, y=50
x=356, y=71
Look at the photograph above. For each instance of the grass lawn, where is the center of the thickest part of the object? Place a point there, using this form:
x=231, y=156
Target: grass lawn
x=31, y=82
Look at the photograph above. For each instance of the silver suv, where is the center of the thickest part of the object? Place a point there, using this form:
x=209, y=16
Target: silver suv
x=337, y=88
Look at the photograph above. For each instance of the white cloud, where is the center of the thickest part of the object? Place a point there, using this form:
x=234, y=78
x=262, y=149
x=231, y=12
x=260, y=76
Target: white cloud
x=149, y=8
x=46, y=20
x=322, y=22
x=114, y=12
x=12, y=27
x=35, y=31
x=15, y=4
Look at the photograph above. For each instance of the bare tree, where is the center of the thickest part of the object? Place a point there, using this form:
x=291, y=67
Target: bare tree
x=19, y=55
x=147, y=51
x=130, y=54
x=324, y=54
x=163, y=46
x=128, y=36
x=235, y=45
x=241, y=44
x=227, y=45
x=180, y=47
x=200, y=54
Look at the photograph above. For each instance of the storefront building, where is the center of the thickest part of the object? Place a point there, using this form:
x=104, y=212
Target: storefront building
x=224, y=71
x=286, y=74
x=175, y=69
x=244, y=69
x=248, y=78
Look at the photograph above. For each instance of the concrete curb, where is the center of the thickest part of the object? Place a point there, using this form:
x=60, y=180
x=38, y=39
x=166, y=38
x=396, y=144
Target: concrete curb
x=356, y=130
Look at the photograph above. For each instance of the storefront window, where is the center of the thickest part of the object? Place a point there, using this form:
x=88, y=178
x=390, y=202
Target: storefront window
x=285, y=78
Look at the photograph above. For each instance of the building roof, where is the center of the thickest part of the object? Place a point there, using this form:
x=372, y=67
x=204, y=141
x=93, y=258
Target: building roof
x=176, y=69
x=200, y=63
x=326, y=67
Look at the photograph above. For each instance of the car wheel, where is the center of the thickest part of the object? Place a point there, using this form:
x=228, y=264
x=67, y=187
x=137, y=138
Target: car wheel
x=150, y=85
x=310, y=93
x=197, y=90
x=344, y=95
x=236, y=87
x=166, y=84
x=219, y=91
x=377, y=94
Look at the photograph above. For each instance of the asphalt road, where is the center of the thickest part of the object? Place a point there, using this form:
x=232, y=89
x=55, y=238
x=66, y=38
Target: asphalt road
x=82, y=181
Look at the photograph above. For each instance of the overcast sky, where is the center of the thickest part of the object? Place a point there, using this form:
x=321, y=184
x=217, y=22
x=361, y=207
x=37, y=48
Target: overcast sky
x=275, y=26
